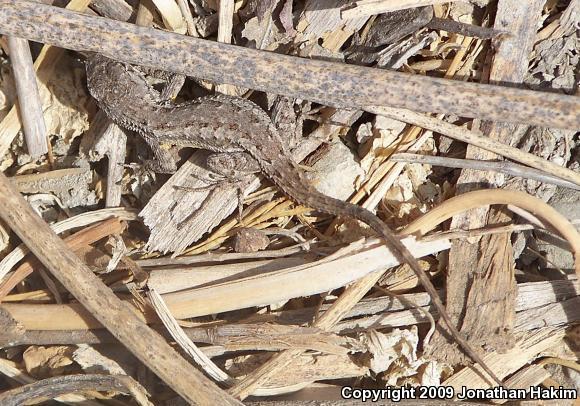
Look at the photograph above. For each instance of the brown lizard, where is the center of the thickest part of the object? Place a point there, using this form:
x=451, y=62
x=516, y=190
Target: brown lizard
x=233, y=125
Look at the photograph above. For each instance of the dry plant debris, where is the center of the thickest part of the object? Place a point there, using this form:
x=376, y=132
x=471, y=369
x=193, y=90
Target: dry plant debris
x=228, y=290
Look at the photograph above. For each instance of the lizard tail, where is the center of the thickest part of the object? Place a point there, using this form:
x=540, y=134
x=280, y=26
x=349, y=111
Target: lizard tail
x=306, y=195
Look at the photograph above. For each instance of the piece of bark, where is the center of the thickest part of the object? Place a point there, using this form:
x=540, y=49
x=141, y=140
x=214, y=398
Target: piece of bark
x=115, y=9
x=75, y=242
x=72, y=186
x=77, y=278
x=483, y=271
x=328, y=83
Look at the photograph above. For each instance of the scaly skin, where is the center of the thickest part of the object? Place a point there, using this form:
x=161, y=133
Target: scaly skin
x=231, y=124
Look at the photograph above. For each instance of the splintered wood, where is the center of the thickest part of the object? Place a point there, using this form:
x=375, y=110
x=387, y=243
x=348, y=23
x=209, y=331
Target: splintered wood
x=454, y=121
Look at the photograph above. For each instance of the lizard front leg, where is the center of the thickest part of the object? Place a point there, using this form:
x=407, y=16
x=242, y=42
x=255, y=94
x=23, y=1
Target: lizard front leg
x=233, y=166
x=163, y=162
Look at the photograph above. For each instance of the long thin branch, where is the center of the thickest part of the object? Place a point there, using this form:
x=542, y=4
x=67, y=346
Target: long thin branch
x=60, y=385
x=329, y=83
x=147, y=345
x=499, y=166
x=471, y=137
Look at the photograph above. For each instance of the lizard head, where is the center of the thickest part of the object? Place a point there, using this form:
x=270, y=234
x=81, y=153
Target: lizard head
x=114, y=84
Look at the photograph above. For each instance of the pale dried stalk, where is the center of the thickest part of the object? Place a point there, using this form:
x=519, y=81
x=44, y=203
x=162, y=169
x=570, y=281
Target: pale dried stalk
x=498, y=166
x=183, y=340
x=30, y=106
x=363, y=8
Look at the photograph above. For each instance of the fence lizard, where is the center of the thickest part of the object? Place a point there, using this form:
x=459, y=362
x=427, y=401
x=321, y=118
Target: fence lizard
x=232, y=126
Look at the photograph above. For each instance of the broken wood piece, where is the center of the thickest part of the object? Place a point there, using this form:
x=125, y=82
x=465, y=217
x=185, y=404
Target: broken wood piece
x=484, y=269
x=527, y=346
x=188, y=205
x=224, y=35
x=30, y=106
x=81, y=220
x=348, y=86
x=75, y=242
x=117, y=151
x=78, y=279
x=106, y=139
x=72, y=186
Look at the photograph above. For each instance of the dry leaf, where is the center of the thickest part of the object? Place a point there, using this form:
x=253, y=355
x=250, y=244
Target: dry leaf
x=43, y=362
x=63, y=101
x=395, y=354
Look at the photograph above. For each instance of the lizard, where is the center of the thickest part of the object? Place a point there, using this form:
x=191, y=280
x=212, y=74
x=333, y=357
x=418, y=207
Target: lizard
x=234, y=125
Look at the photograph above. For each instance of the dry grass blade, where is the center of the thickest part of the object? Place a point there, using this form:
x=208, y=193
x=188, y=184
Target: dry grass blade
x=475, y=199
x=471, y=137
x=183, y=340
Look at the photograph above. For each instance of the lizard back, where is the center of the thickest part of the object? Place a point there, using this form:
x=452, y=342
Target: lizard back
x=231, y=124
